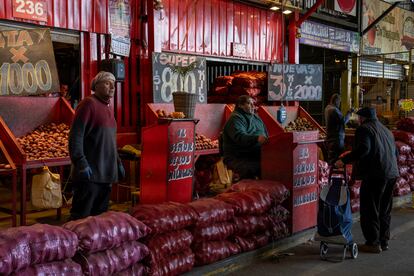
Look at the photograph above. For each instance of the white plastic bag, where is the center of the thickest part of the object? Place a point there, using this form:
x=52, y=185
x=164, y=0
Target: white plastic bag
x=46, y=190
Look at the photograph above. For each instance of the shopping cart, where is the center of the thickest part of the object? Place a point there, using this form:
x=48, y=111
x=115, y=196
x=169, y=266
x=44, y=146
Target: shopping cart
x=335, y=216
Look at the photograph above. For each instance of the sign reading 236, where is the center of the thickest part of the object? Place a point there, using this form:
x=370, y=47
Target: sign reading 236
x=30, y=9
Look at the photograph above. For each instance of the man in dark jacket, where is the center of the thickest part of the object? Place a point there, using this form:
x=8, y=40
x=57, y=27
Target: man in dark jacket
x=375, y=152
x=93, y=150
x=243, y=135
x=335, y=128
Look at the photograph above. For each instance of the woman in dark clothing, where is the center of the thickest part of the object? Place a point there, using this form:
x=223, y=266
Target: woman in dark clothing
x=243, y=135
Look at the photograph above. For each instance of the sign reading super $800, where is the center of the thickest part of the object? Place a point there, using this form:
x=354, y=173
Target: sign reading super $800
x=27, y=62
x=166, y=81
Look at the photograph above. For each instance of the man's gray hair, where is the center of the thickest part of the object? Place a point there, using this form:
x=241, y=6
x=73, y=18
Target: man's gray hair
x=100, y=77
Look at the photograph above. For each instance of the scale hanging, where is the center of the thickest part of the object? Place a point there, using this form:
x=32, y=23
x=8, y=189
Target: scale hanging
x=281, y=114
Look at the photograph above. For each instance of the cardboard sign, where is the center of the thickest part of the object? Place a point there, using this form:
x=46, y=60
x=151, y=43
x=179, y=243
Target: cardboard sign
x=30, y=9
x=27, y=63
x=295, y=82
x=166, y=81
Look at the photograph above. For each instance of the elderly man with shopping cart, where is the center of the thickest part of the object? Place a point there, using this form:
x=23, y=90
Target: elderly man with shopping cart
x=376, y=157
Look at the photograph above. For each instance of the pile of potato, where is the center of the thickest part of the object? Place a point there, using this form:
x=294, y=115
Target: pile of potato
x=5, y=166
x=300, y=124
x=46, y=141
x=202, y=142
x=175, y=115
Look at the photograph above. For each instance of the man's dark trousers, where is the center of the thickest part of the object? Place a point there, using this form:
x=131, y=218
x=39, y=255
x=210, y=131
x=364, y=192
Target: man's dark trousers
x=375, y=210
x=90, y=199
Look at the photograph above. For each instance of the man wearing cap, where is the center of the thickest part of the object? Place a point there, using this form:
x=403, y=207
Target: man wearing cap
x=375, y=152
x=93, y=150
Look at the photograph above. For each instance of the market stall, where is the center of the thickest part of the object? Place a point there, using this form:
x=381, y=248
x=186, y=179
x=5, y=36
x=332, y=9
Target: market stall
x=24, y=115
x=158, y=140
x=8, y=172
x=291, y=158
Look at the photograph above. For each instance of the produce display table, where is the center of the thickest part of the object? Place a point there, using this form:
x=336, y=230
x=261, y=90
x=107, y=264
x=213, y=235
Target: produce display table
x=11, y=172
x=21, y=115
x=291, y=158
x=269, y=114
x=212, y=119
x=167, y=161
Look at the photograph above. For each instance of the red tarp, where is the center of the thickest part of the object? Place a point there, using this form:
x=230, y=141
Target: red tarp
x=210, y=210
x=251, y=202
x=213, y=251
x=169, y=243
x=108, y=230
x=23, y=246
x=278, y=192
x=113, y=260
x=165, y=217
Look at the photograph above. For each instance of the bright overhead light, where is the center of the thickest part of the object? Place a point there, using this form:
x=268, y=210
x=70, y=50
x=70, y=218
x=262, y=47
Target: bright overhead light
x=287, y=12
x=274, y=8
x=407, y=66
x=379, y=61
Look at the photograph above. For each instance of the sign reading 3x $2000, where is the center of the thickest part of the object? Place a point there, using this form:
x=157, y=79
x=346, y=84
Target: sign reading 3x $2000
x=27, y=63
x=295, y=82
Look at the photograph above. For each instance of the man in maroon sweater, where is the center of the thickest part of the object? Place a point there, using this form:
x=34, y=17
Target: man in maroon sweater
x=93, y=150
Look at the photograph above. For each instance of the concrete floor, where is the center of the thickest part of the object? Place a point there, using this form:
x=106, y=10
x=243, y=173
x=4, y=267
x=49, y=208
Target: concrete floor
x=305, y=260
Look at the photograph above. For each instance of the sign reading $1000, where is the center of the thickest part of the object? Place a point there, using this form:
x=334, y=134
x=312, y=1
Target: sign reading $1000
x=166, y=81
x=27, y=63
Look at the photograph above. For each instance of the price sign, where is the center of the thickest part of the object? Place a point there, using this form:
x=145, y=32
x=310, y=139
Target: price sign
x=30, y=9
x=166, y=81
x=295, y=82
x=239, y=49
x=406, y=105
x=27, y=63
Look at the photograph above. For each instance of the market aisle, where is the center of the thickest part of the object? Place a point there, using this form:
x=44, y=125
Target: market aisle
x=306, y=261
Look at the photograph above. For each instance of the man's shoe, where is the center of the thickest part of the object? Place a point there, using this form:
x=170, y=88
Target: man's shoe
x=384, y=246
x=370, y=248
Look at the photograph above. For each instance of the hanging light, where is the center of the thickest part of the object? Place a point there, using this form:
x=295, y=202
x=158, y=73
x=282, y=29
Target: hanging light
x=287, y=12
x=274, y=8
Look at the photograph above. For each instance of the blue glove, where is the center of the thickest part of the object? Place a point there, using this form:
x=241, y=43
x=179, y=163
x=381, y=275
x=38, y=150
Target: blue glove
x=121, y=171
x=85, y=174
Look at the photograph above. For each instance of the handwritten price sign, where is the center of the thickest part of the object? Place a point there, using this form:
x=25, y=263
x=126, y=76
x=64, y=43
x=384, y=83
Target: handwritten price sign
x=295, y=82
x=27, y=63
x=165, y=81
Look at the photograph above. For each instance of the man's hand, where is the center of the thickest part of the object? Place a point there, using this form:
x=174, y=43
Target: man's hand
x=121, y=171
x=339, y=164
x=85, y=173
x=261, y=139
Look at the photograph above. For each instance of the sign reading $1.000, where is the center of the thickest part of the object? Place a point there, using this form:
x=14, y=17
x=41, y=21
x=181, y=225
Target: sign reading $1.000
x=166, y=81
x=295, y=82
x=27, y=62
